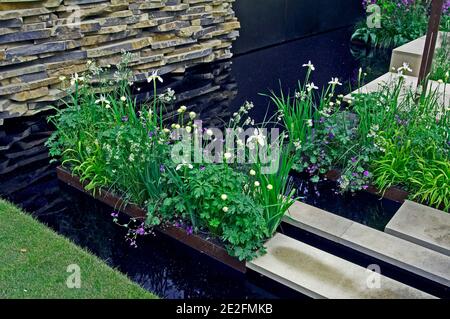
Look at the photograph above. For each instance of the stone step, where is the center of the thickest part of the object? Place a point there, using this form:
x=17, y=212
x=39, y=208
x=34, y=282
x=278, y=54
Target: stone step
x=401, y=253
x=422, y=225
x=412, y=53
x=318, y=274
x=410, y=82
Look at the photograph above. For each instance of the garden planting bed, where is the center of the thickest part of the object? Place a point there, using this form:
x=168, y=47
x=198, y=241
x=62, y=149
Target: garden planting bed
x=205, y=245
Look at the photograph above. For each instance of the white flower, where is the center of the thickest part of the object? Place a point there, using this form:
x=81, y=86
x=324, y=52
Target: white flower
x=224, y=196
x=180, y=166
x=440, y=81
x=225, y=209
x=209, y=132
x=311, y=86
x=298, y=145
x=182, y=109
x=170, y=92
x=248, y=105
x=188, y=129
x=404, y=67
x=309, y=65
x=166, y=130
x=177, y=126
x=269, y=187
x=123, y=98
x=334, y=81
x=62, y=78
x=256, y=138
x=309, y=123
x=227, y=156
x=75, y=79
x=102, y=100
x=257, y=184
x=252, y=172
x=154, y=77
x=192, y=115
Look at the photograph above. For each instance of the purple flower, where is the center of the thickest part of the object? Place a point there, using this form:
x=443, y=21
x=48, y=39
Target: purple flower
x=189, y=230
x=331, y=135
x=162, y=168
x=151, y=133
x=366, y=173
x=365, y=187
x=202, y=168
x=354, y=159
x=115, y=214
x=125, y=118
x=140, y=231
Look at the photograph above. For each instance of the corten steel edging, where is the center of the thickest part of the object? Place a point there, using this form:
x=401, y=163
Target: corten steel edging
x=194, y=241
x=393, y=193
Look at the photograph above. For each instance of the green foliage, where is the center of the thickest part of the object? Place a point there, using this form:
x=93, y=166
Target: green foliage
x=401, y=22
x=379, y=138
x=441, y=61
x=213, y=197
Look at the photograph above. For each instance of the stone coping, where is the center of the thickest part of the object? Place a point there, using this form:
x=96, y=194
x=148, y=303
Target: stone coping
x=422, y=225
x=416, y=259
x=410, y=82
x=321, y=275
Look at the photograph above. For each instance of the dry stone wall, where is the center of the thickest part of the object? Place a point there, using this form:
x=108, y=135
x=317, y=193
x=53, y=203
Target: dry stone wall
x=41, y=41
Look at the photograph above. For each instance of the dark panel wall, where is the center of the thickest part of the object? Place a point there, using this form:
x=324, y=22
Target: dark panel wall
x=268, y=22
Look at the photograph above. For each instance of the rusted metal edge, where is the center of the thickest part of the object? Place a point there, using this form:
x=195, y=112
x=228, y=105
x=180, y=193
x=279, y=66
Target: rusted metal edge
x=393, y=193
x=192, y=240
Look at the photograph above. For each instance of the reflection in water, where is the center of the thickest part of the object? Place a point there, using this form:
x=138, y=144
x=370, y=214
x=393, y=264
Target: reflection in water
x=214, y=91
x=361, y=207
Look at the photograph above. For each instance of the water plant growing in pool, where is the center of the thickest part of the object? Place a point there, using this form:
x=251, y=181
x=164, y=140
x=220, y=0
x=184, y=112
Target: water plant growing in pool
x=400, y=21
x=111, y=142
x=378, y=138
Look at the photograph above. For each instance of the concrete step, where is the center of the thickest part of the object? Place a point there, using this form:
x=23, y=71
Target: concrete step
x=318, y=274
x=404, y=254
x=412, y=53
x=422, y=225
x=410, y=83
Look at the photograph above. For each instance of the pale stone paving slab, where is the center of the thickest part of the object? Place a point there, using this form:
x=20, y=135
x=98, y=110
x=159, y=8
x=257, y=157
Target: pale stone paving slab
x=422, y=225
x=318, y=274
x=414, y=258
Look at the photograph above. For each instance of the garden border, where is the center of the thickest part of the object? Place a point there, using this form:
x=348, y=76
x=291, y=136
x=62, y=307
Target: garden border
x=194, y=241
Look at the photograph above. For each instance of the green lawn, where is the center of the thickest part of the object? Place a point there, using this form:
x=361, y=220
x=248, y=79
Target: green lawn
x=34, y=261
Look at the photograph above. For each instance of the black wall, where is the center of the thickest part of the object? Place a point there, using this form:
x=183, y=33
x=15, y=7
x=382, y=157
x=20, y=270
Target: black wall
x=268, y=22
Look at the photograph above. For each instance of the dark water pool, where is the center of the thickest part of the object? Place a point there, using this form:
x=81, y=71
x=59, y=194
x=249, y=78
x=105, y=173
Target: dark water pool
x=215, y=91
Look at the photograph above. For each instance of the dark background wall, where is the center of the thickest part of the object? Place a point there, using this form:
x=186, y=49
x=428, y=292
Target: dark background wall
x=268, y=22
